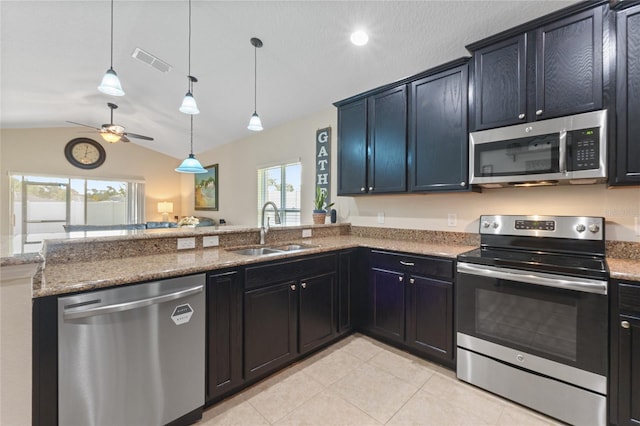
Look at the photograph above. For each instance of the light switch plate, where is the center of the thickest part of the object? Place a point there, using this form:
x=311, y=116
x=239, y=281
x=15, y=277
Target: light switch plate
x=452, y=219
x=211, y=241
x=186, y=243
x=306, y=233
x=380, y=217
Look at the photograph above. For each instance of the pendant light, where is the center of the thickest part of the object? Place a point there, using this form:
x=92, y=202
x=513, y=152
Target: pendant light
x=189, y=105
x=254, y=123
x=191, y=164
x=110, y=83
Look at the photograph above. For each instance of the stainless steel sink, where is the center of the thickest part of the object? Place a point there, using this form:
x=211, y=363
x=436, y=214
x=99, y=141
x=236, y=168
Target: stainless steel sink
x=293, y=247
x=264, y=251
x=261, y=251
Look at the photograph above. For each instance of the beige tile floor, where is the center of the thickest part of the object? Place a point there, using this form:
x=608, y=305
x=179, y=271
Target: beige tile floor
x=359, y=381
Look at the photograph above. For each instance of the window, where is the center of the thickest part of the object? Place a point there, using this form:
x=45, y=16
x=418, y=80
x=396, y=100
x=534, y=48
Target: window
x=41, y=205
x=280, y=185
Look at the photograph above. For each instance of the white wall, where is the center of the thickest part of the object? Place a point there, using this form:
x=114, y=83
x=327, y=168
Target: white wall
x=41, y=151
x=238, y=188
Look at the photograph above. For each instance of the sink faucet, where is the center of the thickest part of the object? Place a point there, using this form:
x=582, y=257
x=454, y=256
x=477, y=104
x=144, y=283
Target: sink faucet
x=263, y=230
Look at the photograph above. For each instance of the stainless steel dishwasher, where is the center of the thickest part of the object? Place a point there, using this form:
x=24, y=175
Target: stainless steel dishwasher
x=132, y=355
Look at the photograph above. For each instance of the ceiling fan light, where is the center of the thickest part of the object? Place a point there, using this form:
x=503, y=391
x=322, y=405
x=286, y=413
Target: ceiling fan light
x=255, y=123
x=110, y=84
x=191, y=165
x=189, y=105
x=110, y=137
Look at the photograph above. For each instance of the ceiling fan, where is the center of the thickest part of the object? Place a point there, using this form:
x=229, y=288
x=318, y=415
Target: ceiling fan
x=114, y=132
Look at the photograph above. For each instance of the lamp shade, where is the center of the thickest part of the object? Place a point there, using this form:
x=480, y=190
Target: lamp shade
x=189, y=105
x=110, y=84
x=191, y=165
x=255, y=123
x=165, y=207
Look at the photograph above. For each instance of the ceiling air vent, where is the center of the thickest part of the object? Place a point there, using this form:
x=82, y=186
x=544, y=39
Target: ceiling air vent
x=151, y=60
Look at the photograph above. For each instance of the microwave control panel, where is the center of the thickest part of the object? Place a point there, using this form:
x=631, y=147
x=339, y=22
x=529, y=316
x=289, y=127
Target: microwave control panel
x=584, y=148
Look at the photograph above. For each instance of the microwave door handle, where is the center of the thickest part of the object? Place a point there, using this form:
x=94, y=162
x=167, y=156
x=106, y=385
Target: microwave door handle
x=562, y=166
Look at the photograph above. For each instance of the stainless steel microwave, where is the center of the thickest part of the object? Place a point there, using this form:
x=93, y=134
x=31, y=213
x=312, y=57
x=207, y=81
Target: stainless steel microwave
x=571, y=149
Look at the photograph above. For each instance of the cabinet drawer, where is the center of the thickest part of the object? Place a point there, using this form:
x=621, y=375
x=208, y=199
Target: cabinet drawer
x=629, y=297
x=430, y=266
x=265, y=274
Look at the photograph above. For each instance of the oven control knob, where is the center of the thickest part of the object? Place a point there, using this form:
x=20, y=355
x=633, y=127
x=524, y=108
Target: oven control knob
x=485, y=224
x=495, y=225
x=594, y=228
x=580, y=228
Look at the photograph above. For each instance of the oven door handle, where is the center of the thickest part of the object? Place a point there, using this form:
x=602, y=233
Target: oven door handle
x=549, y=280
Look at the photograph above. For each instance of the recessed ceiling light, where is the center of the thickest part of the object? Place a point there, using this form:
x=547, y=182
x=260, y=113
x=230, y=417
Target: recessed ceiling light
x=359, y=38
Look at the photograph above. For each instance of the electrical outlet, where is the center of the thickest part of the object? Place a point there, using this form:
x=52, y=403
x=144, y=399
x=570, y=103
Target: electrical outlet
x=186, y=243
x=380, y=217
x=306, y=233
x=452, y=219
x=211, y=241
x=637, y=218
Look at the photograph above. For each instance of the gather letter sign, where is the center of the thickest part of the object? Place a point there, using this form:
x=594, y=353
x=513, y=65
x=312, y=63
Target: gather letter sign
x=323, y=161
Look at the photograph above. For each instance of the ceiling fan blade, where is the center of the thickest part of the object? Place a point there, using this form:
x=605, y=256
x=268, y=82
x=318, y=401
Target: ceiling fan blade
x=133, y=135
x=124, y=138
x=85, y=125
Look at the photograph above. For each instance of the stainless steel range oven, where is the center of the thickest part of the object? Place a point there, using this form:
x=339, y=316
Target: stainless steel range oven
x=532, y=314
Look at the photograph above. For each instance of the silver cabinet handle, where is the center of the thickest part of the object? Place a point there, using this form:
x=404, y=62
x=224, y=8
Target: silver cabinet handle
x=127, y=306
x=463, y=183
x=402, y=262
x=584, y=285
x=625, y=324
x=412, y=281
x=521, y=116
x=400, y=279
x=304, y=285
x=539, y=112
x=362, y=189
x=293, y=287
x=370, y=188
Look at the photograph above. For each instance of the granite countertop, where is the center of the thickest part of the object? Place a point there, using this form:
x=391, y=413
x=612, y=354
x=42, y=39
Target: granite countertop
x=624, y=269
x=83, y=276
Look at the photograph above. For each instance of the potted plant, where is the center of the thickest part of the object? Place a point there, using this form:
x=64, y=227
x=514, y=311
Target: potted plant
x=321, y=206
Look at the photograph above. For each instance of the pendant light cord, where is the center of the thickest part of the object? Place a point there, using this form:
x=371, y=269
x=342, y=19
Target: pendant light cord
x=255, y=78
x=191, y=134
x=189, y=71
x=111, y=34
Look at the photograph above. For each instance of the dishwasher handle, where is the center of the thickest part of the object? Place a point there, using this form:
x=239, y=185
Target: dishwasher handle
x=134, y=304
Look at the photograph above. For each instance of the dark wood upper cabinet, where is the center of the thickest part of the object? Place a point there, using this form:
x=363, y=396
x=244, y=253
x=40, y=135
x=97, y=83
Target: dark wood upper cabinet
x=372, y=143
x=500, y=72
x=352, y=148
x=626, y=146
x=551, y=68
x=438, y=152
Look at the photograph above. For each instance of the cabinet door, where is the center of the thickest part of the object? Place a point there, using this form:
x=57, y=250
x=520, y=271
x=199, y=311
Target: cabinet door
x=569, y=65
x=316, y=311
x=388, y=305
x=430, y=316
x=627, y=144
x=352, y=148
x=224, y=333
x=270, y=328
x=438, y=151
x=388, y=141
x=346, y=269
x=629, y=371
x=500, y=83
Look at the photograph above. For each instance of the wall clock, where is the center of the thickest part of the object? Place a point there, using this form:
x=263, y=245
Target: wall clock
x=85, y=153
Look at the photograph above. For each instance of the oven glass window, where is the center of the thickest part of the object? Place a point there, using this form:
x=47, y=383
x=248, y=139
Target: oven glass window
x=545, y=326
x=525, y=156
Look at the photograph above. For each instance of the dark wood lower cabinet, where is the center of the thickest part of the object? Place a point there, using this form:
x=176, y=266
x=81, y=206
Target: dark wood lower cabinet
x=224, y=331
x=270, y=328
x=624, y=392
x=316, y=311
x=430, y=316
x=410, y=302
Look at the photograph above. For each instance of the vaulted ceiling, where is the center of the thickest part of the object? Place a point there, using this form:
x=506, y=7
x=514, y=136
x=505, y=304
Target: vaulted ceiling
x=54, y=52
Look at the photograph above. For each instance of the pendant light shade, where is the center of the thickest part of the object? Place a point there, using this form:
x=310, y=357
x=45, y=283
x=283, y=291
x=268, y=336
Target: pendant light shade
x=191, y=164
x=255, y=123
x=189, y=105
x=110, y=83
